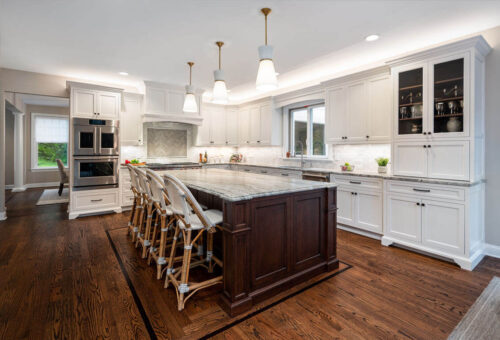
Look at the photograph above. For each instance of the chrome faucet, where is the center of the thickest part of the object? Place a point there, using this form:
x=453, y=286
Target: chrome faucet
x=302, y=162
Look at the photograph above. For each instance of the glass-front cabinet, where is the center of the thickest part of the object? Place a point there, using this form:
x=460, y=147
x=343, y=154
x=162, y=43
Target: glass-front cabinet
x=432, y=99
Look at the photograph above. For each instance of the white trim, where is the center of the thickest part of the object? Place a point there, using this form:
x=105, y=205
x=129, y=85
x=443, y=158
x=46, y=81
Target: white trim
x=34, y=185
x=359, y=232
x=3, y=215
x=491, y=250
x=34, y=149
x=19, y=189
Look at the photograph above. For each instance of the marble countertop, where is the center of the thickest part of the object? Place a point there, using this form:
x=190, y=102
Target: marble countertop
x=238, y=186
x=387, y=176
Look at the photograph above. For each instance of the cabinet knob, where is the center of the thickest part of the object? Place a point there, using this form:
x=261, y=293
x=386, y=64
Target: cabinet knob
x=425, y=146
x=418, y=203
x=423, y=204
x=367, y=137
x=425, y=133
x=429, y=146
x=258, y=141
x=428, y=133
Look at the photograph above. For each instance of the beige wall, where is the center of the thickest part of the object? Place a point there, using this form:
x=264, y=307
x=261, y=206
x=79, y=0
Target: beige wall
x=492, y=218
x=9, y=148
x=38, y=176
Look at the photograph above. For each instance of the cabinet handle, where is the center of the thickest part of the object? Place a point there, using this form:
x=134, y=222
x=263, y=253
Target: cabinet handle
x=425, y=133
x=248, y=142
x=354, y=182
x=284, y=174
x=428, y=133
x=247, y=170
x=258, y=141
x=367, y=137
x=418, y=203
x=423, y=204
x=99, y=200
x=429, y=146
x=425, y=146
x=421, y=190
x=263, y=171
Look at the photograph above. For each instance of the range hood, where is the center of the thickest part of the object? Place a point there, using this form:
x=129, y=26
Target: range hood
x=164, y=103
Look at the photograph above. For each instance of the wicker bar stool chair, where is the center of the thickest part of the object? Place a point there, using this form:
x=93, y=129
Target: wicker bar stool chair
x=146, y=218
x=136, y=205
x=192, y=224
x=162, y=235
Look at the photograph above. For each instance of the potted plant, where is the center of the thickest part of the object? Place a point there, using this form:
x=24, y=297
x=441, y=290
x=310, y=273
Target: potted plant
x=382, y=164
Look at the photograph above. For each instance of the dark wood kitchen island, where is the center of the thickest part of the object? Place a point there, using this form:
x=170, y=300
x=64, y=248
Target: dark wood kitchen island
x=277, y=231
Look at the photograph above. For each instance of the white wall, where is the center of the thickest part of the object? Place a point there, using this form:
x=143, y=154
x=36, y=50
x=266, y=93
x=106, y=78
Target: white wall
x=493, y=137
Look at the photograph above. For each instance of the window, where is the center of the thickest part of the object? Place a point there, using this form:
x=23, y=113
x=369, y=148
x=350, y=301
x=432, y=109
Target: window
x=49, y=140
x=307, y=131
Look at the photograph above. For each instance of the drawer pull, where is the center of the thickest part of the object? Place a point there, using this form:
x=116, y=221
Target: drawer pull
x=247, y=170
x=354, y=182
x=284, y=174
x=99, y=200
x=421, y=190
x=263, y=172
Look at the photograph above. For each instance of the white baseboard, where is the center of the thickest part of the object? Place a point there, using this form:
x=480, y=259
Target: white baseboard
x=33, y=185
x=21, y=189
x=491, y=250
x=3, y=215
x=359, y=231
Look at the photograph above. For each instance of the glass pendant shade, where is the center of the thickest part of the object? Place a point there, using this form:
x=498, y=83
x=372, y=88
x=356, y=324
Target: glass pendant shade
x=219, y=93
x=266, y=76
x=190, y=104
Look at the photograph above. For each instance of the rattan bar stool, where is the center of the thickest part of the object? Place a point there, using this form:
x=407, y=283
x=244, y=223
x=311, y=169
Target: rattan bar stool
x=192, y=224
x=136, y=205
x=146, y=218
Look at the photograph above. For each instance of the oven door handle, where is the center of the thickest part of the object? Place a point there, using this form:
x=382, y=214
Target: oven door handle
x=97, y=140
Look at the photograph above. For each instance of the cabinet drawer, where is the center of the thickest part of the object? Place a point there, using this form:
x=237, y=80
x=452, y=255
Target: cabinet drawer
x=426, y=190
x=95, y=199
x=359, y=182
x=127, y=199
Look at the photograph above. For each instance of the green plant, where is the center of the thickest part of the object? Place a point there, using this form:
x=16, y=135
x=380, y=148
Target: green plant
x=381, y=161
x=134, y=161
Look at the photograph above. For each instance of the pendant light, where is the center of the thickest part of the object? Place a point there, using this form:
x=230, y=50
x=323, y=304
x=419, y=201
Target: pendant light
x=190, y=104
x=219, y=93
x=266, y=76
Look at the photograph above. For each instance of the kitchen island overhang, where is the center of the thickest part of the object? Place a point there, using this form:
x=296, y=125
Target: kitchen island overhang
x=277, y=232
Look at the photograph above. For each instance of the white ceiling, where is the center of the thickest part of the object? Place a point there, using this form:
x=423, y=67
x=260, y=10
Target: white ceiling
x=153, y=39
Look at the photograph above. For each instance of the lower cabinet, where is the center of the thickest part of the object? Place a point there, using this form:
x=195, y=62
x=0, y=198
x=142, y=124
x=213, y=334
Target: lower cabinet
x=404, y=218
x=126, y=194
x=94, y=201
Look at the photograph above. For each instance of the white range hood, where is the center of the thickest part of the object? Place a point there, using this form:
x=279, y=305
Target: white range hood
x=164, y=103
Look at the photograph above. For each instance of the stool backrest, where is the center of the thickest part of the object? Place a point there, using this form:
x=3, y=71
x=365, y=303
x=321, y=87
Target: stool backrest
x=143, y=181
x=158, y=190
x=133, y=177
x=183, y=196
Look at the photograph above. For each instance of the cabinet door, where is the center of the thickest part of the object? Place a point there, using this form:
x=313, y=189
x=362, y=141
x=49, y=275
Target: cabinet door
x=156, y=100
x=232, y=127
x=336, y=115
x=84, y=103
x=218, y=126
x=345, y=204
x=411, y=101
x=379, y=108
x=175, y=102
x=203, y=135
x=448, y=160
x=449, y=104
x=131, y=121
x=357, y=112
x=108, y=105
x=410, y=159
x=404, y=218
x=368, y=215
x=255, y=125
x=266, y=124
x=443, y=226
x=244, y=127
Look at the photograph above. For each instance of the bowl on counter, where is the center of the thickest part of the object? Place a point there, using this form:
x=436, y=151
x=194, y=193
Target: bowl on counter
x=347, y=167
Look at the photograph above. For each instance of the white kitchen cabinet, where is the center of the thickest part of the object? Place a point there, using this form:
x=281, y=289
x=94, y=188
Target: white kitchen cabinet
x=126, y=193
x=92, y=103
x=410, y=159
x=244, y=127
x=440, y=159
x=336, y=118
x=345, y=204
x=404, y=218
x=443, y=226
x=266, y=124
x=368, y=214
x=359, y=107
x=217, y=125
x=232, y=126
x=94, y=201
x=203, y=134
x=255, y=125
x=357, y=112
x=131, y=120
x=379, y=108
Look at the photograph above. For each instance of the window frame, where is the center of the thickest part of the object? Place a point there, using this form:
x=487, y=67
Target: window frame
x=291, y=132
x=34, y=144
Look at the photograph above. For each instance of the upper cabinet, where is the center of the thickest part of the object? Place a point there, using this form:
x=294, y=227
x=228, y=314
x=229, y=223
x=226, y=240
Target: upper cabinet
x=359, y=108
x=260, y=124
x=92, y=101
x=131, y=119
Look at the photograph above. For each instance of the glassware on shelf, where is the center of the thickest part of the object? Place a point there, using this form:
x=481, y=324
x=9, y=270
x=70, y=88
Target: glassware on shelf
x=440, y=108
x=452, y=105
x=402, y=112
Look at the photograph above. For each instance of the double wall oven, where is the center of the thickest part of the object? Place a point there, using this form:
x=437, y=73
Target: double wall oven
x=96, y=159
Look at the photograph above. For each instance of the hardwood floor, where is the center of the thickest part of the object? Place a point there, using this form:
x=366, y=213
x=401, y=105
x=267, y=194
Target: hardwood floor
x=61, y=279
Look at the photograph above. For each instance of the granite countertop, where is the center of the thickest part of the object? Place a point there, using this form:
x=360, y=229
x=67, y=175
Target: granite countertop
x=386, y=176
x=238, y=186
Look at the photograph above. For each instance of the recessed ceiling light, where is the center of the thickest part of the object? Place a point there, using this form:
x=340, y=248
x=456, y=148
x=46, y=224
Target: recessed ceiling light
x=123, y=73
x=372, y=37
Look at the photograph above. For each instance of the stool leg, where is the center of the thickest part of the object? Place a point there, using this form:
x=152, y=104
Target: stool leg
x=147, y=231
x=170, y=265
x=153, y=238
x=161, y=251
x=210, y=247
x=131, y=220
x=137, y=213
x=186, y=261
